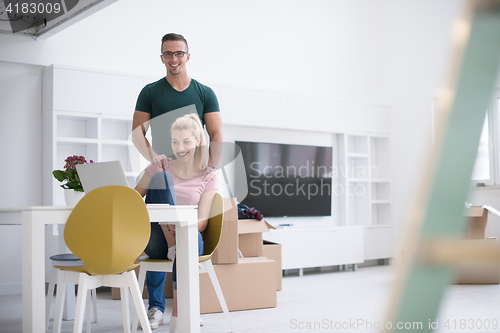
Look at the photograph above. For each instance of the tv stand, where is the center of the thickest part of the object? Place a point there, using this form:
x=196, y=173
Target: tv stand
x=319, y=247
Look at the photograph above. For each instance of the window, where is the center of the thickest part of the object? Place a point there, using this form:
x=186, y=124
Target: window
x=487, y=167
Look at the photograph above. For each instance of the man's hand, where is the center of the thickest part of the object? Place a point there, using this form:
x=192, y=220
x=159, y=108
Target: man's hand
x=210, y=173
x=162, y=161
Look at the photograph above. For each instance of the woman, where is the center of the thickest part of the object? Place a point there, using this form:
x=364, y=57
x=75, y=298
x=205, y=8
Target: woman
x=180, y=183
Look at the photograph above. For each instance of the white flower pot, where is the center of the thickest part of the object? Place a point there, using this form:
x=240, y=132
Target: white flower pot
x=72, y=197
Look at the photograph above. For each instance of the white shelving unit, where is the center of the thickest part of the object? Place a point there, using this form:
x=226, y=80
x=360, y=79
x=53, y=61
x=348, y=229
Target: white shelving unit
x=98, y=137
x=368, y=201
x=99, y=134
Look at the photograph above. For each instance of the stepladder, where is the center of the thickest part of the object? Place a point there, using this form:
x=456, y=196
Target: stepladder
x=435, y=222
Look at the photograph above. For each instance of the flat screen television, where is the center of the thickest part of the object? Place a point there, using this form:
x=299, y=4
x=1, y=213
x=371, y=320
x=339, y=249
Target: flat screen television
x=287, y=180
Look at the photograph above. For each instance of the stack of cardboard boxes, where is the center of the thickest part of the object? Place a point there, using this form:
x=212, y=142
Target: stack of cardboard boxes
x=250, y=282
x=247, y=283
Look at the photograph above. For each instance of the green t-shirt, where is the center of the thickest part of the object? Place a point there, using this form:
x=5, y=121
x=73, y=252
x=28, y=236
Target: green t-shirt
x=165, y=104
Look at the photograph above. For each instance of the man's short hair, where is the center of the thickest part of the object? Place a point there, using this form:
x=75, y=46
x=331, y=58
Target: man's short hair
x=175, y=37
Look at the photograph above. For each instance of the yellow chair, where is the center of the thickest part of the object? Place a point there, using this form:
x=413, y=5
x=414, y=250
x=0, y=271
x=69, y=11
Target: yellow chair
x=108, y=229
x=211, y=238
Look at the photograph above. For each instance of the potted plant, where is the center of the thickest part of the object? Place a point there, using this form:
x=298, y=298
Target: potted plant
x=72, y=185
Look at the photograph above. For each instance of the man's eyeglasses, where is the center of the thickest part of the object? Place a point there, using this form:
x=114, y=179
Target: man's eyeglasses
x=178, y=54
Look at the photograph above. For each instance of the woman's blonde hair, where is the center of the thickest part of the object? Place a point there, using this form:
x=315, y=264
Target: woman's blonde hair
x=192, y=122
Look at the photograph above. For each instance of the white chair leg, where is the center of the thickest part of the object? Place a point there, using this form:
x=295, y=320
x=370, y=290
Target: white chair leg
x=87, y=314
x=80, y=303
x=50, y=294
x=125, y=309
x=69, y=304
x=94, y=292
x=61, y=295
x=215, y=282
x=136, y=293
x=142, y=278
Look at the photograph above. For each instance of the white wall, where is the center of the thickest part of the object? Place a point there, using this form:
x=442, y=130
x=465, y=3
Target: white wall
x=20, y=151
x=387, y=52
x=20, y=133
x=417, y=40
x=316, y=49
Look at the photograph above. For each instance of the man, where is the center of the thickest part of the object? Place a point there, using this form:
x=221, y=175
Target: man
x=163, y=101
x=159, y=104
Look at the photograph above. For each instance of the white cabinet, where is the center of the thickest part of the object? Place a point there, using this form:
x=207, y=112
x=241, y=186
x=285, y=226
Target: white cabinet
x=316, y=114
x=253, y=108
x=367, y=118
x=292, y=248
x=247, y=107
x=318, y=247
x=378, y=242
x=91, y=91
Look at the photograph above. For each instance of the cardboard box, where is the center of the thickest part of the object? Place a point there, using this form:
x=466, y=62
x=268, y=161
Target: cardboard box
x=249, y=284
x=245, y=235
x=250, y=240
x=272, y=251
x=479, y=274
x=477, y=224
x=477, y=232
x=227, y=251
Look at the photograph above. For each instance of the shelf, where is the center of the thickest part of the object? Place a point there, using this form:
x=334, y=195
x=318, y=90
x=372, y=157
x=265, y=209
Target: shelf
x=358, y=200
x=381, y=192
x=357, y=167
x=381, y=214
x=379, y=158
x=380, y=180
x=357, y=144
x=117, y=142
x=116, y=129
x=358, y=180
x=76, y=127
x=357, y=155
x=379, y=136
x=378, y=226
x=381, y=202
x=81, y=141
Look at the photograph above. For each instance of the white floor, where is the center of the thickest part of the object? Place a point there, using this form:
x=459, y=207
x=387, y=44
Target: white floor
x=314, y=302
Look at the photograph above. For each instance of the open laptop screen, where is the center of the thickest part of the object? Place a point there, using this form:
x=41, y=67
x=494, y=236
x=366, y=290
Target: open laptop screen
x=95, y=175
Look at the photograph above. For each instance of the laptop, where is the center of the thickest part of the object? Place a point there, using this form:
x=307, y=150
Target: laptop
x=94, y=175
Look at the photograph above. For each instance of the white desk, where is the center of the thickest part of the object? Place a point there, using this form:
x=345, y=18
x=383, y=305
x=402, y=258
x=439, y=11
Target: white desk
x=33, y=220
